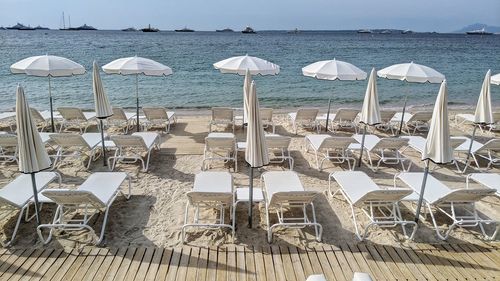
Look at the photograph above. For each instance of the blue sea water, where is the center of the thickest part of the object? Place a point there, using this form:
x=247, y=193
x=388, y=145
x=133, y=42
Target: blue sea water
x=463, y=59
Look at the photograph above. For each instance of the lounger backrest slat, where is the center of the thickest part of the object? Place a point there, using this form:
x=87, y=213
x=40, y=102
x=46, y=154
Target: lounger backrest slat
x=386, y=115
x=421, y=116
x=278, y=142
x=266, y=114
x=128, y=141
x=210, y=198
x=73, y=197
x=222, y=113
x=118, y=114
x=292, y=197
x=383, y=196
x=69, y=140
x=8, y=140
x=391, y=143
x=306, y=114
x=491, y=145
x=336, y=143
x=465, y=195
x=37, y=116
x=346, y=114
x=219, y=143
x=71, y=113
x=155, y=113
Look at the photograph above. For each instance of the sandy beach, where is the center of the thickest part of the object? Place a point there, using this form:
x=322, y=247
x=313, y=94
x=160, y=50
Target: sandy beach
x=154, y=214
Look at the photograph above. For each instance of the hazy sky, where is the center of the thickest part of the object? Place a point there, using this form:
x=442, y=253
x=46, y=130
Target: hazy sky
x=418, y=15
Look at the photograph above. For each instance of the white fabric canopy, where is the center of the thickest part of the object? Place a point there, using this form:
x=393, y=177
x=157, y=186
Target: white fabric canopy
x=137, y=65
x=246, y=93
x=411, y=72
x=484, y=113
x=437, y=146
x=47, y=66
x=333, y=70
x=102, y=106
x=370, y=112
x=256, y=153
x=495, y=79
x=239, y=65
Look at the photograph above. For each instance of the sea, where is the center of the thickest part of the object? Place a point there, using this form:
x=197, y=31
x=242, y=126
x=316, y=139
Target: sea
x=195, y=84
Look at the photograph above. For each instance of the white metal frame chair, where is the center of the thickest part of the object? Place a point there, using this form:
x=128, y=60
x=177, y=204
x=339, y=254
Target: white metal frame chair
x=75, y=117
x=381, y=206
x=70, y=145
x=121, y=119
x=386, y=123
x=129, y=148
x=439, y=197
x=8, y=148
x=304, y=117
x=345, y=118
x=488, y=151
x=266, y=114
x=17, y=196
x=94, y=196
x=211, y=190
x=335, y=149
x=220, y=146
x=418, y=121
x=221, y=116
x=279, y=147
x=387, y=150
x=283, y=191
x=159, y=116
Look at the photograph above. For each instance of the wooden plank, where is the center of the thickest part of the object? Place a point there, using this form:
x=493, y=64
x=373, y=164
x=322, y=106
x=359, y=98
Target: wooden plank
x=297, y=265
x=287, y=263
x=58, y=270
x=221, y=264
x=174, y=265
x=490, y=253
x=420, y=272
x=400, y=263
x=104, y=266
x=334, y=262
x=374, y=268
x=442, y=265
x=250, y=264
x=11, y=260
x=163, y=268
x=278, y=263
x=202, y=264
x=193, y=263
x=313, y=258
x=93, y=268
x=381, y=263
x=115, y=265
x=155, y=264
x=487, y=266
x=453, y=260
x=350, y=259
x=393, y=267
x=46, y=258
x=124, y=265
x=134, y=264
x=212, y=264
x=55, y=256
x=84, y=267
x=325, y=264
x=346, y=270
x=182, y=270
x=268, y=263
x=306, y=263
x=145, y=263
x=232, y=271
x=358, y=258
x=240, y=263
x=424, y=257
x=22, y=265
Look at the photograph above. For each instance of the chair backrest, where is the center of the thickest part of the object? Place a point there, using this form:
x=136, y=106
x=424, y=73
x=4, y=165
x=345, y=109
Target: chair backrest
x=155, y=113
x=69, y=140
x=118, y=114
x=292, y=197
x=307, y=114
x=491, y=145
x=266, y=114
x=456, y=142
x=346, y=114
x=383, y=196
x=8, y=140
x=278, y=142
x=386, y=115
x=337, y=143
x=421, y=116
x=68, y=197
x=216, y=143
x=391, y=143
x=465, y=195
x=38, y=118
x=210, y=198
x=222, y=113
x=129, y=141
x=71, y=113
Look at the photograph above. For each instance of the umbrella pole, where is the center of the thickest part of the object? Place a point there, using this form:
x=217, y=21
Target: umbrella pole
x=35, y=196
x=362, y=146
x=103, y=144
x=137, y=99
x=328, y=114
x=250, y=199
x=470, y=148
x=402, y=117
x=422, y=190
x=51, y=112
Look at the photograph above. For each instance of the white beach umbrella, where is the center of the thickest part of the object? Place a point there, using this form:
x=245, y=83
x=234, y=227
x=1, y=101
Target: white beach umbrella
x=437, y=146
x=246, y=93
x=495, y=79
x=333, y=70
x=484, y=113
x=135, y=66
x=370, y=112
x=47, y=66
x=33, y=156
x=410, y=72
x=256, y=153
x=102, y=106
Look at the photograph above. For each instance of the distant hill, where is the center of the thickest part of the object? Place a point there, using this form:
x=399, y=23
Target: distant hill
x=476, y=26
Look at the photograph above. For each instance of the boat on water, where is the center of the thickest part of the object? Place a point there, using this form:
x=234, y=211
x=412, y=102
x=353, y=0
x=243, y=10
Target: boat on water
x=407, y=31
x=248, y=30
x=41, y=28
x=387, y=31
x=479, y=32
x=185, y=29
x=224, y=30
x=150, y=29
x=20, y=26
x=295, y=31
x=129, y=29
x=82, y=27
x=2, y=28
x=365, y=31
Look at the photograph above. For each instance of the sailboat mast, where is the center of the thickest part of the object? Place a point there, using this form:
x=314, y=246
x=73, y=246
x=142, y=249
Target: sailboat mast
x=64, y=21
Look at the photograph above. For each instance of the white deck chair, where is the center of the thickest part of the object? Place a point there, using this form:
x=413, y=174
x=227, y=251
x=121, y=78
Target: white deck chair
x=490, y=180
x=304, y=117
x=41, y=121
x=266, y=114
x=121, y=119
x=380, y=205
x=386, y=123
x=417, y=143
x=220, y=146
x=9, y=118
x=221, y=116
x=278, y=147
x=95, y=195
x=211, y=190
x=129, y=148
x=75, y=117
x=345, y=118
x=387, y=150
x=70, y=145
x=439, y=197
x=413, y=122
x=468, y=118
x=8, y=148
x=17, y=195
x=159, y=116
x=283, y=191
x=335, y=149
x=488, y=151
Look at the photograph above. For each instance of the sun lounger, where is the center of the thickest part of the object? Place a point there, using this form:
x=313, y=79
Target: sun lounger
x=413, y=122
x=381, y=206
x=488, y=151
x=8, y=148
x=70, y=145
x=283, y=190
x=278, y=147
x=9, y=118
x=75, y=117
x=331, y=148
x=129, y=148
x=17, y=195
x=95, y=195
x=304, y=117
x=121, y=119
x=220, y=146
x=266, y=115
x=490, y=180
x=159, y=116
x=344, y=119
x=387, y=150
x=386, y=121
x=439, y=197
x=468, y=118
x=221, y=116
x=211, y=190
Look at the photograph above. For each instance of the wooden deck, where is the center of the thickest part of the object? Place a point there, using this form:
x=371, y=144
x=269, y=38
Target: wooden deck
x=426, y=262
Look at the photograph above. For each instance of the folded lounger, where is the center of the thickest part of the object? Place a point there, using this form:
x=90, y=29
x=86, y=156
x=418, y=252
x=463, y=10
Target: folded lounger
x=159, y=116
x=220, y=146
x=211, y=190
x=284, y=191
x=386, y=149
x=439, y=197
x=129, y=148
x=331, y=148
x=304, y=117
x=93, y=196
x=381, y=206
x=17, y=195
x=68, y=143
